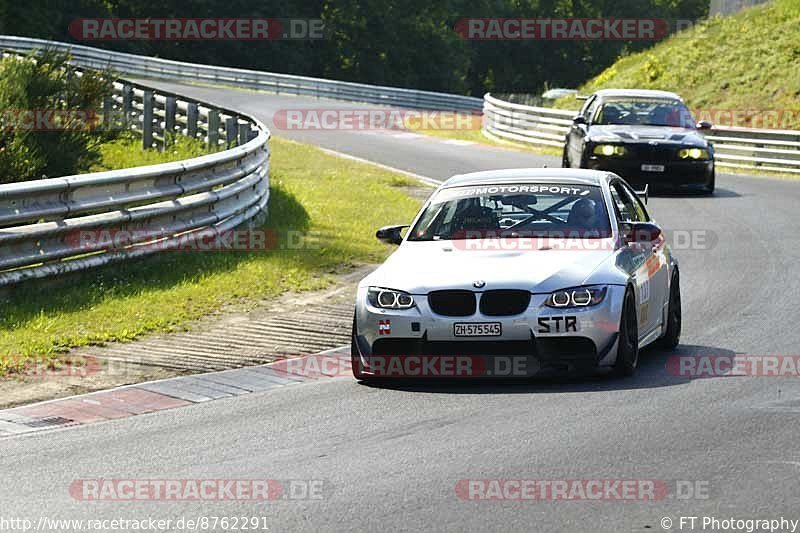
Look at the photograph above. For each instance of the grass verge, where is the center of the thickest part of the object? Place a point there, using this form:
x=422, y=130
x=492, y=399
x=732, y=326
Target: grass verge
x=126, y=152
x=335, y=204
x=739, y=70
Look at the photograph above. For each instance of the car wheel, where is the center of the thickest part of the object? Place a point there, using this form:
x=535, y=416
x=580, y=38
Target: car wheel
x=565, y=159
x=584, y=160
x=709, y=190
x=672, y=336
x=628, y=344
x=355, y=360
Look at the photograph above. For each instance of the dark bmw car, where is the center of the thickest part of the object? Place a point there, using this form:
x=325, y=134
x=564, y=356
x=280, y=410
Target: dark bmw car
x=647, y=137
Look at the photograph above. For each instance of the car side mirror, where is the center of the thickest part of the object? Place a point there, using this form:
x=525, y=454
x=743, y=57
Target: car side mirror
x=640, y=232
x=580, y=119
x=704, y=125
x=390, y=234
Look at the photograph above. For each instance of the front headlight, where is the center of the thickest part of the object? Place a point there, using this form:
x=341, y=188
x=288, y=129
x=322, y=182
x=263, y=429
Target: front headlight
x=609, y=150
x=694, y=153
x=389, y=298
x=577, y=297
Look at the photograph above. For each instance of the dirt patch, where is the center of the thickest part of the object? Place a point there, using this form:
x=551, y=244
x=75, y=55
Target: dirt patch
x=292, y=325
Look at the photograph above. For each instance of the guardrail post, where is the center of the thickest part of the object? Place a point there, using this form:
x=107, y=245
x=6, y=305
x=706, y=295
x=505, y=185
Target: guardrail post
x=213, y=129
x=147, y=120
x=191, y=120
x=127, y=105
x=170, y=109
x=231, y=131
x=108, y=111
x=244, y=134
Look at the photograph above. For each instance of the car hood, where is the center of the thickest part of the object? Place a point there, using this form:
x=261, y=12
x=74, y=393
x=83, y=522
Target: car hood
x=645, y=134
x=422, y=267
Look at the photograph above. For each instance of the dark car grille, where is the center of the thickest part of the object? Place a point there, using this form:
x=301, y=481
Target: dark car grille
x=404, y=347
x=452, y=303
x=504, y=302
x=567, y=349
x=548, y=349
x=655, y=153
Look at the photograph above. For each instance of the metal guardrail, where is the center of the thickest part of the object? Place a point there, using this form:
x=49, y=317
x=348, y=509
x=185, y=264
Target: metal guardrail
x=761, y=149
x=161, y=206
x=744, y=148
x=150, y=67
x=44, y=224
x=526, y=124
x=158, y=115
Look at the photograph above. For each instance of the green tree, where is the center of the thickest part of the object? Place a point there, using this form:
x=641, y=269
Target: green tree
x=407, y=43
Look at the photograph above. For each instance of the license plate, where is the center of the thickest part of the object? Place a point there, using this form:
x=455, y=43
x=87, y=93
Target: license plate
x=478, y=329
x=653, y=168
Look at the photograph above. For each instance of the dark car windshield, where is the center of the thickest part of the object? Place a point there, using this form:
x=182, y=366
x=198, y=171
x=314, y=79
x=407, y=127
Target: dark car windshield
x=518, y=210
x=644, y=112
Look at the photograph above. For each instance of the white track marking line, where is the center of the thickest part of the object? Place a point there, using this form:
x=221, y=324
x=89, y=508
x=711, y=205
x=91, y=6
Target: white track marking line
x=424, y=179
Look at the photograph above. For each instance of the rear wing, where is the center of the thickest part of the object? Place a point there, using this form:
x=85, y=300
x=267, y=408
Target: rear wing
x=644, y=193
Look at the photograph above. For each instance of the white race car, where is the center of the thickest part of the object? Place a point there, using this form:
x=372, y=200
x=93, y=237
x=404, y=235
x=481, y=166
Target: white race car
x=518, y=273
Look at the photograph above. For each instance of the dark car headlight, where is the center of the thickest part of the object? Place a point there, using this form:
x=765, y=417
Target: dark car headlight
x=389, y=298
x=577, y=297
x=694, y=153
x=610, y=150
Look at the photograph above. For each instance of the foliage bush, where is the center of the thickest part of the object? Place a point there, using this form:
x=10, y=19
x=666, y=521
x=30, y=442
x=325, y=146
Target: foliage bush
x=49, y=117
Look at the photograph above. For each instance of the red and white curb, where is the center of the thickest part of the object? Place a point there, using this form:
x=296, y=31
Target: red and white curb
x=149, y=397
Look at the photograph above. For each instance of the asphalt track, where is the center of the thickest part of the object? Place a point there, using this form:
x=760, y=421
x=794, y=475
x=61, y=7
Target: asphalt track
x=390, y=459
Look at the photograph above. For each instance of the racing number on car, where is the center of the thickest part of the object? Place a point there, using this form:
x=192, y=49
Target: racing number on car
x=649, y=269
x=644, y=300
x=644, y=313
x=558, y=324
x=644, y=291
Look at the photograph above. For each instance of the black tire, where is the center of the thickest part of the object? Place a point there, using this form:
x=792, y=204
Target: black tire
x=355, y=360
x=709, y=190
x=584, y=163
x=672, y=336
x=628, y=344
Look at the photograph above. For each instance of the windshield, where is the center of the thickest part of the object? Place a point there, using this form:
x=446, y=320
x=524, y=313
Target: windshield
x=644, y=112
x=519, y=210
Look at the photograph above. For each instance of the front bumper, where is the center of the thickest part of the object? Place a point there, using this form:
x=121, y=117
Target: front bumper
x=540, y=341
x=677, y=175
